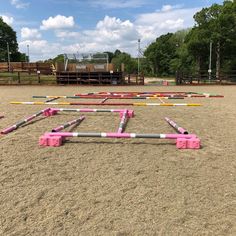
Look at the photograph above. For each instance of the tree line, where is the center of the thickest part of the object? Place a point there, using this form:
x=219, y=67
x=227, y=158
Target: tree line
x=189, y=50
x=186, y=50
x=9, y=45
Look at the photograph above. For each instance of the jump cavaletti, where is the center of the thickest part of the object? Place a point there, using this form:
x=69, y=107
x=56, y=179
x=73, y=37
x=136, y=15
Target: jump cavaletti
x=56, y=138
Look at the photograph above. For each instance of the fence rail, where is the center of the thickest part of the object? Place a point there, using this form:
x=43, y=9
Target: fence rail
x=134, y=79
x=24, y=78
x=44, y=68
x=203, y=77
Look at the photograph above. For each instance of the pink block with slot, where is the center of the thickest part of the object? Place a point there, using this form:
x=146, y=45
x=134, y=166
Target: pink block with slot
x=194, y=143
x=50, y=112
x=52, y=141
x=181, y=143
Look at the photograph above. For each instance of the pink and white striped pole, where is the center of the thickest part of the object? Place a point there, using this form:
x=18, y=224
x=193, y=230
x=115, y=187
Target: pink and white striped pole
x=176, y=127
x=130, y=112
x=121, y=135
x=20, y=123
x=68, y=124
x=122, y=122
x=183, y=141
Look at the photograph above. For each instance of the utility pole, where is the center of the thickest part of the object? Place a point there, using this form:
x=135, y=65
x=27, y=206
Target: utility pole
x=138, y=57
x=209, y=70
x=8, y=57
x=28, y=53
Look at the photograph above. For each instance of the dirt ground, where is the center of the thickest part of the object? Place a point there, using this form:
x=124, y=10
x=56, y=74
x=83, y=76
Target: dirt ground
x=119, y=187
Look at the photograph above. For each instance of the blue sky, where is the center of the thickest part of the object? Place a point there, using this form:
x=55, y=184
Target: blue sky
x=52, y=27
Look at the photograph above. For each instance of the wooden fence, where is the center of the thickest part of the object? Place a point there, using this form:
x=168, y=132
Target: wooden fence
x=203, y=77
x=134, y=79
x=44, y=68
x=24, y=78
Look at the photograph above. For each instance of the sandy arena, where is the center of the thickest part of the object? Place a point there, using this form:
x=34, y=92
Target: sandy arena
x=119, y=187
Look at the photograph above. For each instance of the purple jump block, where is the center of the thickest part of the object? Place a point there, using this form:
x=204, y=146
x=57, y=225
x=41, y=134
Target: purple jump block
x=192, y=143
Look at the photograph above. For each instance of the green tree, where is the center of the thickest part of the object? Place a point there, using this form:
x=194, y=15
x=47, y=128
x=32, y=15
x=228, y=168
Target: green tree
x=8, y=35
x=117, y=52
x=129, y=62
x=162, y=51
x=197, y=42
x=228, y=25
x=216, y=24
x=18, y=56
x=58, y=58
x=8, y=39
x=181, y=60
x=152, y=57
x=188, y=50
x=110, y=56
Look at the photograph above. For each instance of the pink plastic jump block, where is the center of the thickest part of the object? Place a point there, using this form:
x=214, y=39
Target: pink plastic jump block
x=192, y=143
x=181, y=143
x=50, y=112
x=130, y=114
x=52, y=141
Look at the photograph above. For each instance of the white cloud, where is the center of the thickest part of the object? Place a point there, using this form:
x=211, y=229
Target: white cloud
x=110, y=33
x=172, y=24
x=166, y=8
x=7, y=19
x=67, y=34
x=152, y=25
x=19, y=4
x=113, y=33
x=58, y=22
x=27, y=33
x=113, y=23
x=118, y=4
x=40, y=49
x=115, y=29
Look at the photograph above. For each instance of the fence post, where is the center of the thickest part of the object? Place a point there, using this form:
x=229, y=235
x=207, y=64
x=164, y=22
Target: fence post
x=18, y=77
x=142, y=82
x=220, y=75
x=38, y=73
